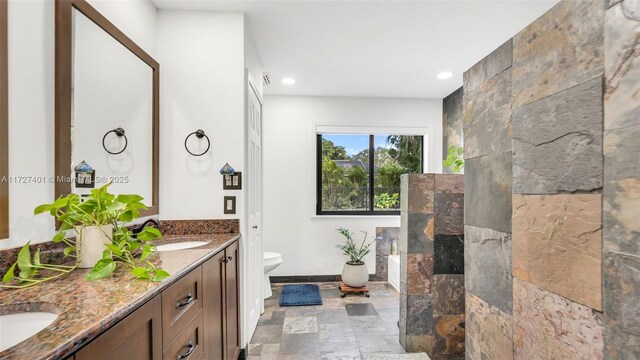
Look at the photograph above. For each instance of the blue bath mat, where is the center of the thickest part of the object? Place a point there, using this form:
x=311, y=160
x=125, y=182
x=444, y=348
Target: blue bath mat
x=300, y=295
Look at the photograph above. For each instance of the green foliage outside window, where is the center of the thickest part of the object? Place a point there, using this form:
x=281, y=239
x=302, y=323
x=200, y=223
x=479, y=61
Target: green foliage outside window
x=345, y=178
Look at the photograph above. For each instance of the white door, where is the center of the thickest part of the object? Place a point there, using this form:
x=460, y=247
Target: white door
x=254, y=262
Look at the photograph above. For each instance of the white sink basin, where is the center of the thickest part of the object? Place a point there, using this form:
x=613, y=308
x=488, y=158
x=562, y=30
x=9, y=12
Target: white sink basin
x=15, y=328
x=181, y=245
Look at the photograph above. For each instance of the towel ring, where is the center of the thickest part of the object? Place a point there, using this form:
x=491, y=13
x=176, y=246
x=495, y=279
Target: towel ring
x=120, y=133
x=199, y=134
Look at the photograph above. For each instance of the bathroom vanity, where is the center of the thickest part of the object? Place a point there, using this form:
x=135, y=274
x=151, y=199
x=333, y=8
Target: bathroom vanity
x=194, y=314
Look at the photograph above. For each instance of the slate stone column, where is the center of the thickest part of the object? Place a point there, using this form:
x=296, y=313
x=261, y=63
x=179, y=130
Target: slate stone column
x=557, y=183
x=432, y=265
x=451, y=125
x=487, y=135
x=621, y=192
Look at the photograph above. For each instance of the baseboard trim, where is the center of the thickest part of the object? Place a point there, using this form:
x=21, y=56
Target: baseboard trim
x=312, y=278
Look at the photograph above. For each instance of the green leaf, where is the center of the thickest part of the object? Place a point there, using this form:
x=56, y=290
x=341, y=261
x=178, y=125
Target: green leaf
x=24, y=258
x=140, y=272
x=102, y=269
x=10, y=274
x=160, y=275
x=69, y=250
x=145, y=252
x=58, y=237
x=115, y=249
x=129, y=198
x=36, y=257
x=42, y=208
x=134, y=245
x=149, y=234
x=116, y=206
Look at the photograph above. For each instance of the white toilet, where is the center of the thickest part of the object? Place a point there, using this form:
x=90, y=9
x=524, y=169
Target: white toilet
x=271, y=261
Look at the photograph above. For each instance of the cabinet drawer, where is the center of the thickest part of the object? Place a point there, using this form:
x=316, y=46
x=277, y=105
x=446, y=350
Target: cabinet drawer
x=180, y=304
x=189, y=344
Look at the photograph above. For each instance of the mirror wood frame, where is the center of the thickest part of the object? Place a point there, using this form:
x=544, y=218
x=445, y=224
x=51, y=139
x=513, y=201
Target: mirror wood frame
x=4, y=122
x=63, y=82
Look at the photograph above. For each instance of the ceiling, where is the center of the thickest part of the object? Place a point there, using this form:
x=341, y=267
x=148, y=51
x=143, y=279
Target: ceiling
x=374, y=48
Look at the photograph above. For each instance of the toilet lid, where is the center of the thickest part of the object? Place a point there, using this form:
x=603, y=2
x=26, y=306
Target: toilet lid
x=271, y=255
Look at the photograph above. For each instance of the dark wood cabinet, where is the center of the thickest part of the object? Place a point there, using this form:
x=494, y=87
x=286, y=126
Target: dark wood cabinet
x=197, y=317
x=221, y=305
x=213, y=281
x=232, y=302
x=136, y=337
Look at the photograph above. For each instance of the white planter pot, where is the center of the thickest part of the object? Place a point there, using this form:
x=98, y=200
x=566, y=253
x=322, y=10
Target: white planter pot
x=355, y=275
x=91, y=245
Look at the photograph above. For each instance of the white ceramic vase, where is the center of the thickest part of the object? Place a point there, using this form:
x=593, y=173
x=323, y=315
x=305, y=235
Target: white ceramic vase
x=91, y=245
x=355, y=275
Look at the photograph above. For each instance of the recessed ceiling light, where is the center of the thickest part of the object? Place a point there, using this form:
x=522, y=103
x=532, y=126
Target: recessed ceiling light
x=288, y=81
x=445, y=75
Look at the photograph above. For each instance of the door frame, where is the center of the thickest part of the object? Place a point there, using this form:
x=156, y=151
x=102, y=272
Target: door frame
x=247, y=331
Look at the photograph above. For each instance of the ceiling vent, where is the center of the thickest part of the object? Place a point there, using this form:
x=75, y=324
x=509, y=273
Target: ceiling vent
x=266, y=79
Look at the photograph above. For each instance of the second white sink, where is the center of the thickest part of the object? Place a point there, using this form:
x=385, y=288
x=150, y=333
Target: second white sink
x=181, y=245
x=15, y=328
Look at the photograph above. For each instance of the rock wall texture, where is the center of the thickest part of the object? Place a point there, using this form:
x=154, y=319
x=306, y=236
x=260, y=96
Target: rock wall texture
x=552, y=182
x=451, y=124
x=431, y=247
x=621, y=192
x=487, y=118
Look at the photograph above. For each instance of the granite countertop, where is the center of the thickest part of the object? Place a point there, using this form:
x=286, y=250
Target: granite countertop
x=88, y=308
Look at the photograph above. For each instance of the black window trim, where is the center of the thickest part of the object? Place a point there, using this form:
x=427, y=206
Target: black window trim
x=371, y=211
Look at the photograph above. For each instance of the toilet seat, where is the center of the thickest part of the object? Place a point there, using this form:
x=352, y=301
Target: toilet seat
x=271, y=258
x=271, y=255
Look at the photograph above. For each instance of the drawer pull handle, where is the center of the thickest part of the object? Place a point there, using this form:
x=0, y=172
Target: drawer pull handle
x=190, y=349
x=188, y=301
x=229, y=258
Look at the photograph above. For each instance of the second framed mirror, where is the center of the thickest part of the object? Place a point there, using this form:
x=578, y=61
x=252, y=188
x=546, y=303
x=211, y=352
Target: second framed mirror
x=107, y=102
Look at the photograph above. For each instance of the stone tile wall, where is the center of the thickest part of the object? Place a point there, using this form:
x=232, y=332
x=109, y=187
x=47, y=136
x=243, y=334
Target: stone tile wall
x=557, y=183
x=552, y=214
x=451, y=124
x=621, y=190
x=488, y=182
x=432, y=265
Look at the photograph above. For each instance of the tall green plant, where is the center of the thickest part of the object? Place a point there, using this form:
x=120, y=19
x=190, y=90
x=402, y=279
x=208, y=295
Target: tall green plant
x=351, y=249
x=98, y=209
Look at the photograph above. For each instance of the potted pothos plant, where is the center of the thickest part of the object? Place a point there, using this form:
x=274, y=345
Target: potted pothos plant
x=102, y=240
x=354, y=272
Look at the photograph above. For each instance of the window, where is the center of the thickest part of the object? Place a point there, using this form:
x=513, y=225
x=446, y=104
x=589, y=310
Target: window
x=360, y=174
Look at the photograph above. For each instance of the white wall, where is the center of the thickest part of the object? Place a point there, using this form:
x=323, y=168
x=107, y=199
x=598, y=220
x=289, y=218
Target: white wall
x=201, y=57
x=31, y=102
x=306, y=241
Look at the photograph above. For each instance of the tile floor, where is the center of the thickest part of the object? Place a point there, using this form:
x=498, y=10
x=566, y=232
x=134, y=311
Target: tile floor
x=342, y=328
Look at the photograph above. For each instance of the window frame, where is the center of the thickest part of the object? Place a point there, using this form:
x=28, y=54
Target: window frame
x=371, y=172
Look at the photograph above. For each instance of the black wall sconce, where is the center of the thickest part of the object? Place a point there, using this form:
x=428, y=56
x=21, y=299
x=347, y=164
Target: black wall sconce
x=199, y=134
x=120, y=133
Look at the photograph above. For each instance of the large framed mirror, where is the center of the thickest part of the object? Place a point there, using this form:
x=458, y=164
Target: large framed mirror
x=4, y=123
x=107, y=104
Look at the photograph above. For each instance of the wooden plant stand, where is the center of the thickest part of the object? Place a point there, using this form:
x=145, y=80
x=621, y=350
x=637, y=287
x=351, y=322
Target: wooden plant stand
x=344, y=290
